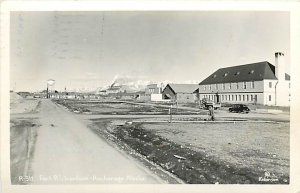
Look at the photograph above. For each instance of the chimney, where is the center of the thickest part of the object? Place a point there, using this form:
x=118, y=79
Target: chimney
x=280, y=66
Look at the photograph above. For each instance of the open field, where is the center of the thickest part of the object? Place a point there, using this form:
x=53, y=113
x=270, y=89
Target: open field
x=24, y=106
x=212, y=153
x=120, y=108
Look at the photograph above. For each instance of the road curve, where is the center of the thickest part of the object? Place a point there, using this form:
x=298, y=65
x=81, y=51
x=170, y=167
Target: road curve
x=67, y=152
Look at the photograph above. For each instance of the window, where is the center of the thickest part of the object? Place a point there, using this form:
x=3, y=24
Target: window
x=223, y=86
x=204, y=87
x=222, y=97
x=236, y=97
x=216, y=86
x=245, y=85
x=225, y=97
x=243, y=97
x=251, y=97
x=229, y=97
x=270, y=84
x=240, y=97
x=255, y=98
x=247, y=97
x=270, y=98
x=252, y=84
x=237, y=85
x=233, y=97
x=229, y=86
x=209, y=87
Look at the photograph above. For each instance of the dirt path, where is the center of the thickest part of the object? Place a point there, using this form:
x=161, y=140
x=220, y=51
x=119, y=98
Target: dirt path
x=68, y=152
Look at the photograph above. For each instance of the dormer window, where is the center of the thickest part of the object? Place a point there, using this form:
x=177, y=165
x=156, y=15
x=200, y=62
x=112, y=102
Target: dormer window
x=225, y=74
x=237, y=73
x=251, y=72
x=214, y=76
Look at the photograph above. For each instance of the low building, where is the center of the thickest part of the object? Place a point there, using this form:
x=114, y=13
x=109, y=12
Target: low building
x=141, y=96
x=258, y=83
x=153, y=89
x=181, y=93
x=114, y=90
x=155, y=92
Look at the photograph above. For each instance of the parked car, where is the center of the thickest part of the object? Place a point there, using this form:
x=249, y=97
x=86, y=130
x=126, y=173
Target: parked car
x=239, y=108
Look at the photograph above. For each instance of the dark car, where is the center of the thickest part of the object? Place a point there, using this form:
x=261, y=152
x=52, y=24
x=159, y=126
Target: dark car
x=239, y=108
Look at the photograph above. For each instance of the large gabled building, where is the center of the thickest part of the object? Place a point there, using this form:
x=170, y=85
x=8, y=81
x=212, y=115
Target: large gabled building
x=182, y=93
x=258, y=83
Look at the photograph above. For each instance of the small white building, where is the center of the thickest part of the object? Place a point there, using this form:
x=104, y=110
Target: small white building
x=258, y=83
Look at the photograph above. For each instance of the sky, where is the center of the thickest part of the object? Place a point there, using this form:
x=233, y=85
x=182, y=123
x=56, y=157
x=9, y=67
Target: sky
x=88, y=50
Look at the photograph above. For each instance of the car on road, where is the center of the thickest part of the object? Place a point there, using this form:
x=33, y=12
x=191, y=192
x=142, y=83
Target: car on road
x=239, y=108
x=206, y=104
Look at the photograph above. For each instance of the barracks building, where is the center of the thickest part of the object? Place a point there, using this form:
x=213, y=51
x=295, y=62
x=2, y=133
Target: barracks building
x=257, y=83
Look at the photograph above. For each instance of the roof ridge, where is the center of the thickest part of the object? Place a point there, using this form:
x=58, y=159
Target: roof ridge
x=249, y=72
x=245, y=64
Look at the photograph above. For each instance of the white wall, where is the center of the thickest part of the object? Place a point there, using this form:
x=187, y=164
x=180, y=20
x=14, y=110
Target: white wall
x=279, y=93
x=258, y=87
x=156, y=97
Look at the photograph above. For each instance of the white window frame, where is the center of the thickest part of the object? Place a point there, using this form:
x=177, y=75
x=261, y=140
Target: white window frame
x=252, y=84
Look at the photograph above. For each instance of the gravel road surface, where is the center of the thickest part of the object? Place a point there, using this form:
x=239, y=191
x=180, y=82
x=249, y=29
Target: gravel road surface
x=67, y=152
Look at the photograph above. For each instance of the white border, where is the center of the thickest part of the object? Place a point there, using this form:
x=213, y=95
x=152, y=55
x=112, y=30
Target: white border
x=292, y=7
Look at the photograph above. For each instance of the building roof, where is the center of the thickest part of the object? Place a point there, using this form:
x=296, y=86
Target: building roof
x=183, y=88
x=152, y=86
x=114, y=88
x=248, y=72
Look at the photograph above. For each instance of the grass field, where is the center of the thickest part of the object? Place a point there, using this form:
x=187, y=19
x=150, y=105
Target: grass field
x=205, y=153
x=263, y=146
x=117, y=108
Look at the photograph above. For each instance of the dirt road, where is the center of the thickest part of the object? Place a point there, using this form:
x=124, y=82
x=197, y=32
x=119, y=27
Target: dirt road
x=67, y=151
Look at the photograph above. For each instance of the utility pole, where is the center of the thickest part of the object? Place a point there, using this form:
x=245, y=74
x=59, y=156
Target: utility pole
x=170, y=112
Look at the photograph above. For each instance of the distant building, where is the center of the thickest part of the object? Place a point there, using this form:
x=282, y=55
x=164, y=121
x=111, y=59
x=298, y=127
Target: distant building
x=114, y=90
x=25, y=94
x=141, y=96
x=261, y=83
x=183, y=93
x=102, y=92
x=153, y=89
